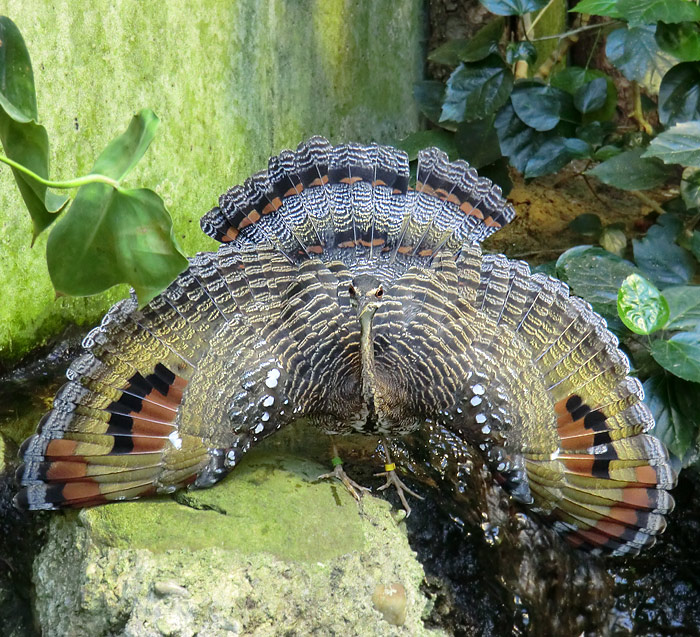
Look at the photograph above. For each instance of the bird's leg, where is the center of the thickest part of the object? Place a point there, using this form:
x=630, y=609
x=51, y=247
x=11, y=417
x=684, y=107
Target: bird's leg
x=392, y=479
x=355, y=490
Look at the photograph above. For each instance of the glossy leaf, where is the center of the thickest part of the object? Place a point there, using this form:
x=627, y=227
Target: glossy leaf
x=680, y=40
x=477, y=142
x=111, y=236
x=641, y=306
x=513, y=7
x=529, y=151
x=675, y=405
x=592, y=96
x=17, y=93
x=572, y=79
x=677, y=145
x=629, y=170
x=679, y=94
x=429, y=96
x=541, y=106
x=598, y=7
x=634, y=51
x=476, y=90
x=638, y=12
x=690, y=188
x=613, y=240
x=596, y=275
x=595, y=132
x=684, y=307
x=662, y=260
x=521, y=50
x=587, y=224
x=680, y=355
x=484, y=42
x=419, y=140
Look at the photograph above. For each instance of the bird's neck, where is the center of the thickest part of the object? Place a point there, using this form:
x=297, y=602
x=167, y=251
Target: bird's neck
x=367, y=366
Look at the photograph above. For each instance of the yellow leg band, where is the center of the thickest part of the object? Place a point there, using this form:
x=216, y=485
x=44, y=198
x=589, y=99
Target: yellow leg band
x=390, y=467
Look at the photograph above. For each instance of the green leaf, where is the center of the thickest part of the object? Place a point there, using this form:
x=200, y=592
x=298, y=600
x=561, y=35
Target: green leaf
x=429, y=96
x=613, y=240
x=113, y=236
x=513, y=7
x=629, y=170
x=477, y=142
x=593, y=133
x=638, y=12
x=598, y=7
x=680, y=40
x=664, y=262
x=23, y=140
x=28, y=144
x=521, y=50
x=684, y=307
x=17, y=93
x=690, y=188
x=416, y=142
x=476, y=90
x=540, y=106
x=680, y=355
x=592, y=96
x=596, y=275
x=484, y=43
x=587, y=224
x=679, y=94
x=572, y=79
x=125, y=151
x=634, y=51
x=529, y=151
x=641, y=306
x=607, y=152
x=675, y=405
x=678, y=145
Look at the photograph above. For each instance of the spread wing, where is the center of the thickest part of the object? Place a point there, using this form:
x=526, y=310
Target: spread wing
x=241, y=344
x=513, y=364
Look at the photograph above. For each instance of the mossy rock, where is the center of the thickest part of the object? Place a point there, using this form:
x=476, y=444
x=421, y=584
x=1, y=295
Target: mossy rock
x=268, y=551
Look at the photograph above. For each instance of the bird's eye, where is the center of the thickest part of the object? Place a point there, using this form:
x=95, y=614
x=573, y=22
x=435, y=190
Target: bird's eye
x=352, y=290
x=379, y=293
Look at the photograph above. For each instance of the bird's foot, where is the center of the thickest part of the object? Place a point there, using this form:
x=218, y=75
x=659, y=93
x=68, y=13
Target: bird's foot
x=355, y=490
x=393, y=480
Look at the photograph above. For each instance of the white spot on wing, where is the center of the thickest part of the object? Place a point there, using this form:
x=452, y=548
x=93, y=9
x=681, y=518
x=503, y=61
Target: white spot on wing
x=175, y=439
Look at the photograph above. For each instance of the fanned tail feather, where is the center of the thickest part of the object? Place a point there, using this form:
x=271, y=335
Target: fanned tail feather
x=355, y=198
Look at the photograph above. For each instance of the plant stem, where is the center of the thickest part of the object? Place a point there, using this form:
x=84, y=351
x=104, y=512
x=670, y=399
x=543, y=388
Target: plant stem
x=529, y=28
x=72, y=183
x=637, y=113
x=575, y=31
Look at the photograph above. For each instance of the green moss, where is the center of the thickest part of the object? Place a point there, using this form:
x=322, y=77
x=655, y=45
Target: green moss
x=269, y=503
x=231, y=82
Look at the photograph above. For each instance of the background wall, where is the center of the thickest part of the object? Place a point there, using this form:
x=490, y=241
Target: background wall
x=232, y=82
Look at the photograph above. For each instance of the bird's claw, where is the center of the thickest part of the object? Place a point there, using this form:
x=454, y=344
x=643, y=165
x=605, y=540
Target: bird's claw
x=356, y=490
x=393, y=480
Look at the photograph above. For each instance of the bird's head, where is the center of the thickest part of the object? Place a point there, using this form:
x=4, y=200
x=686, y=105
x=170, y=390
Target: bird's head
x=366, y=296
